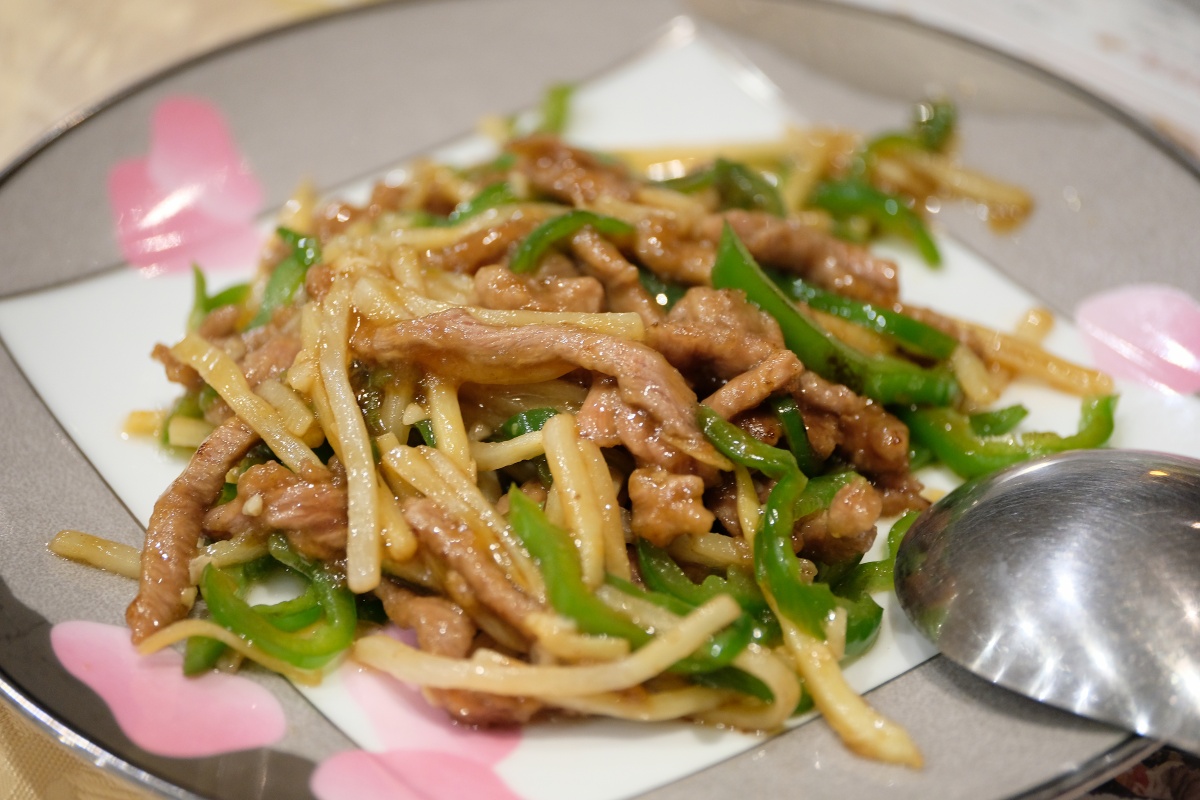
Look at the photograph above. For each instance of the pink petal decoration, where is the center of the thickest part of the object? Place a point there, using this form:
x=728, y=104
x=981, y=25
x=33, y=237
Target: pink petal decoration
x=192, y=199
x=403, y=719
x=190, y=146
x=428, y=757
x=406, y=775
x=160, y=709
x=1148, y=333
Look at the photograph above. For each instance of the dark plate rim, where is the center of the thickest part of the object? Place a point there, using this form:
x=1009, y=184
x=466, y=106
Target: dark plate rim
x=1096, y=769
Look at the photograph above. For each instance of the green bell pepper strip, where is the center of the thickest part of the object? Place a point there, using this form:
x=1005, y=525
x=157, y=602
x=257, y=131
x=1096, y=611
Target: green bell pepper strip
x=662, y=574
x=882, y=378
x=294, y=614
x=556, y=108
x=202, y=653
x=289, y=274
x=998, y=422
x=312, y=648
x=187, y=406
x=876, y=576
x=776, y=566
x=819, y=491
x=491, y=196
x=912, y=335
x=736, y=680
x=425, y=428
x=708, y=667
x=949, y=435
x=663, y=293
x=934, y=123
x=863, y=614
x=855, y=587
x=528, y=421
x=740, y=584
x=531, y=249
x=796, y=435
x=744, y=449
x=933, y=126
x=202, y=304
x=854, y=197
x=742, y=187
x=919, y=456
x=551, y=548
x=737, y=185
x=525, y=422
x=721, y=648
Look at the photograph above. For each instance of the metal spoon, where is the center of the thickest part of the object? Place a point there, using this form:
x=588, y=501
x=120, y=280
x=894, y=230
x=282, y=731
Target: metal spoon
x=1074, y=580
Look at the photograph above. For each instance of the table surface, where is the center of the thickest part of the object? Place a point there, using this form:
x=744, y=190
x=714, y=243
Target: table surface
x=58, y=57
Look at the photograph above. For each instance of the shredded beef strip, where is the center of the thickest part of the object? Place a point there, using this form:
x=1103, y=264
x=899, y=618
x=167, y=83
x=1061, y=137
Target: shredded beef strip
x=568, y=174
x=601, y=259
x=666, y=505
x=901, y=492
x=775, y=373
x=318, y=281
x=176, y=370
x=453, y=343
x=269, y=358
x=597, y=418
x=868, y=437
x=486, y=246
x=451, y=540
x=336, y=217
x=220, y=322
x=715, y=332
x=443, y=629
x=174, y=529
x=843, y=531
x=813, y=254
x=761, y=423
x=609, y=421
x=497, y=287
x=662, y=246
x=310, y=508
x=864, y=434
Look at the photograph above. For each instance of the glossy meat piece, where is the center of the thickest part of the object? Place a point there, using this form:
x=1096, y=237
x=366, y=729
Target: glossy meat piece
x=601, y=259
x=867, y=436
x=497, y=287
x=715, y=333
x=485, y=246
x=666, y=250
x=813, y=254
x=453, y=542
x=456, y=345
x=175, y=529
x=774, y=374
x=666, y=505
x=310, y=509
x=843, y=531
x=443, y=629
x=567, y=174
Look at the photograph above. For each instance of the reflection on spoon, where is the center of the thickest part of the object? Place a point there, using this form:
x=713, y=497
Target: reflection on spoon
x=1074, y=580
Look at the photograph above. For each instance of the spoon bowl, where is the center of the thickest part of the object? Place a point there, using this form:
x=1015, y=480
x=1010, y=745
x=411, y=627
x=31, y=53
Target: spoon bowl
x=1074, y=580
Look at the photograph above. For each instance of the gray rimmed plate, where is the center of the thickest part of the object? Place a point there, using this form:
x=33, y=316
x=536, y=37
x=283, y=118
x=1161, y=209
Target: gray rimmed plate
x=350, y=95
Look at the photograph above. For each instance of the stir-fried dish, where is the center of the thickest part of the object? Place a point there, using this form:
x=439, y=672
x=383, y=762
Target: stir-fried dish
x=608, y=434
